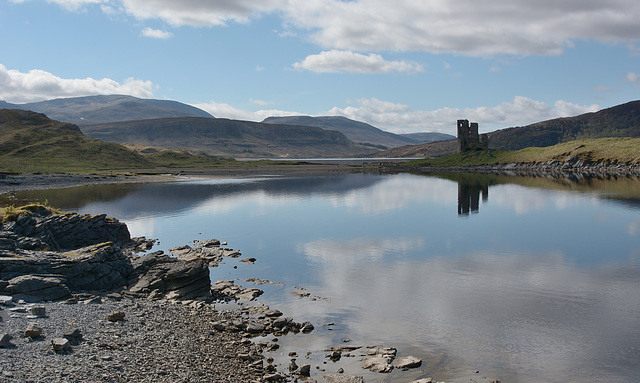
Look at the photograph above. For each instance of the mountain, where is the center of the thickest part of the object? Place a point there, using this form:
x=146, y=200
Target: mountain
x=618, y=121
x=230, y=138
x=356, y=131
x=421, y=138
x=31, y=140
x=110, y=108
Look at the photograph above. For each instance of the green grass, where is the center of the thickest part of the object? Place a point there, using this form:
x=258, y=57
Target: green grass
x=11, y=213
x=606, y=150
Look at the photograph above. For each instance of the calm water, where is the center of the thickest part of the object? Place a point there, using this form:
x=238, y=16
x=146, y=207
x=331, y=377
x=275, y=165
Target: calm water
x=523, y=279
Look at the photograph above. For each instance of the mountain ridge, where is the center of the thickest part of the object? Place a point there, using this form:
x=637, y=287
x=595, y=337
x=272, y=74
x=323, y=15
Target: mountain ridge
x=617, y=121
x=88, y=110
x=230, y=138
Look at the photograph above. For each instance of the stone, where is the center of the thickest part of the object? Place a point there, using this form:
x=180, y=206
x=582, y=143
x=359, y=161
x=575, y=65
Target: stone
x=36, y=288
x=292, y=365
x=307, y=327
x=336, y=378
x=207, y=243
x=407, y=362
x=38, y=311
x=72, y=335
x=33, y=330
x=5, y=340
x=249, y=260
x=60, y=344
x=380, y=364
x=116, y=316
x=6, y=300
x=305, y=370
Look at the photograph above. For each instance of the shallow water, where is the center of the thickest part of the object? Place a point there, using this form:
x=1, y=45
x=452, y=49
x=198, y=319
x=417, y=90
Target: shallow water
x=522, y=279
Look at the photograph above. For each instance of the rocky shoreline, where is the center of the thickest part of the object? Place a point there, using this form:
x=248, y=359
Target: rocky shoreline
x=571, y=167
x=78, y=302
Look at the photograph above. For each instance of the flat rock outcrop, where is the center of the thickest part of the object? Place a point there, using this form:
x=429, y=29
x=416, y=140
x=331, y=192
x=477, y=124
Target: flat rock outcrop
x=45, y=256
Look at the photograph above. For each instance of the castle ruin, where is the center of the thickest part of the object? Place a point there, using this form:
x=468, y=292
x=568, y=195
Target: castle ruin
x=468, y=137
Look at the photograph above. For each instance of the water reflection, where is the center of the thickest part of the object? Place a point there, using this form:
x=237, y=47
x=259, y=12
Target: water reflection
x=542, y=286
x=469, y=197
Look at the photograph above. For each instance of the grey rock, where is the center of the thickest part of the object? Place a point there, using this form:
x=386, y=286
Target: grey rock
x=335, y=378
x=5, y=340
x=73, y=335
x=305, y=370
x=207, y=243
x=33, y=330
x=35, y=288
x=38, y=311
x=407, y=362
x=380, y=364
x=116, y=316
x=60, y=344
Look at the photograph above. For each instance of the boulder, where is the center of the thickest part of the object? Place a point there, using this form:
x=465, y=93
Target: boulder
x=407, y=362
x=60, y=344
x=378, y=364
x=33, y=330
x=116, y=316
x=335, y=378
x=5, y=340
x=34, y=288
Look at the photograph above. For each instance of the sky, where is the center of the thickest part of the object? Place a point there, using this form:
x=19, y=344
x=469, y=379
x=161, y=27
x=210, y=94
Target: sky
x=403, y=66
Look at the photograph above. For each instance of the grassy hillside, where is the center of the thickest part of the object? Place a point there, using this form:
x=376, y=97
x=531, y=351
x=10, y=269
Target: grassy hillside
x=605, y=150
x=618, y=121
x=230, y=138
x=31, y=142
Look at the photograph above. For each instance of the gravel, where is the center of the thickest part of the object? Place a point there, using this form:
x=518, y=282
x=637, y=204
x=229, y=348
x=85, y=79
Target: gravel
x=156, y=342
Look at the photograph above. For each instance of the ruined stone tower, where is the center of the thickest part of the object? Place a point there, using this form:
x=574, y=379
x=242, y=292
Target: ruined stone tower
x=468, y=137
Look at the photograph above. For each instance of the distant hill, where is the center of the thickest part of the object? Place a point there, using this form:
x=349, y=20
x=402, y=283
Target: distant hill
x=31, y=140
x=231, y=138
x=421, y=138
x=617, y=121
x=356, y=131
x=109, y=108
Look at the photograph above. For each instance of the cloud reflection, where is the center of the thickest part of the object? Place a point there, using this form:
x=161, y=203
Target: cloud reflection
x=532, y=315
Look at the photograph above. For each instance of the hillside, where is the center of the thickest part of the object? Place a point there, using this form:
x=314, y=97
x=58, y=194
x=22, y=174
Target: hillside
x=606, y=151
x=231, y=138
x=428, y=137
x=618, y=121
x=101, y=109
x=30, y=141
x=354, y=130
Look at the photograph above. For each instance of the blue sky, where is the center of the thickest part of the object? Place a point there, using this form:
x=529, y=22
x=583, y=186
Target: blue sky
x=402, y=66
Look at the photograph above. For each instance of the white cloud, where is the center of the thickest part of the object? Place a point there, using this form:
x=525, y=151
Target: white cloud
x=38, y=85
x=475, y=28
x=201, y=13
x=633, y=78
x=156, y=33
x=258, y=102
x=398, y=118
x=222, y=110
x=346, y=61
x=72, y=5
